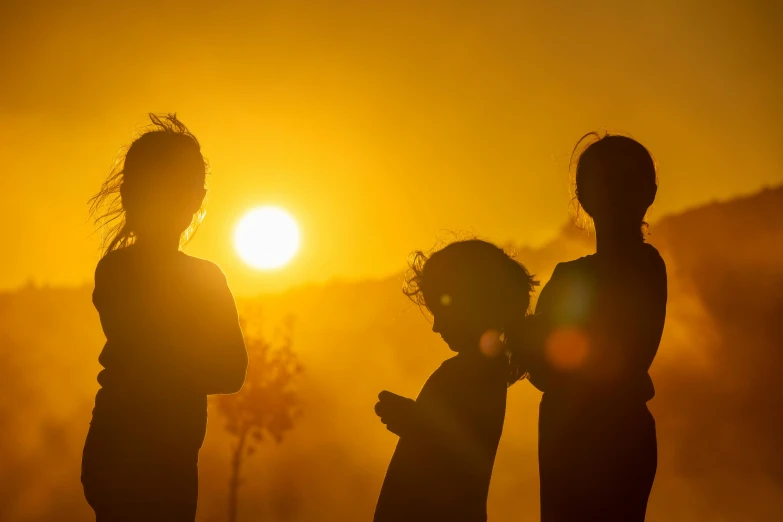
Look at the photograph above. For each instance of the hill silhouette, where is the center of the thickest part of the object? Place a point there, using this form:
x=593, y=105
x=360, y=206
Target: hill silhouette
x=717, y=407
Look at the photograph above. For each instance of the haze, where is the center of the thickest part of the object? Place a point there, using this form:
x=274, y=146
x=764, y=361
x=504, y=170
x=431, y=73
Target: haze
x=377, y=124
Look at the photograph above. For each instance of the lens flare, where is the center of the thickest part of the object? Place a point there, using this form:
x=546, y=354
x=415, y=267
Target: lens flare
x=490, y=343
x=567, y=349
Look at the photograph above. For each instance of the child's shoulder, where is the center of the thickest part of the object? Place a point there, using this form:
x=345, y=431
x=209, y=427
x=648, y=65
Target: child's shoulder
x=204, y=267
x=201, y=263
x=461, y=366
x=446, y=370
x=112, y=261
x=120, y=259
x=574, y=266
x=654, y=265
x=112, y=271
x=647, y=252
x=466, y=374
x=652, y=254
x=450, y=364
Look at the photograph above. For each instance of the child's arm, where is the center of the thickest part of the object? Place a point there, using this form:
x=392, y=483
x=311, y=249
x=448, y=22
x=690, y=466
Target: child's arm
x=405, y=417
x=533, y=334
x=630, y=314
x=221, y=361
x=529, y=337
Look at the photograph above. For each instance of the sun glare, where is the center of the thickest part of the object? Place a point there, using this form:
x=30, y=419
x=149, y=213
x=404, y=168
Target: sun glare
x=267, y=238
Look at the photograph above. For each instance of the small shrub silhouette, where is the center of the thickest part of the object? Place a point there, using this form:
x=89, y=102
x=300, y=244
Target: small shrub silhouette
x=268, y=404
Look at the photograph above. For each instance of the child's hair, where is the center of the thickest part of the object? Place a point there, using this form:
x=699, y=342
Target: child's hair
x=166, y=158
x=483, y=274
x=615, y=177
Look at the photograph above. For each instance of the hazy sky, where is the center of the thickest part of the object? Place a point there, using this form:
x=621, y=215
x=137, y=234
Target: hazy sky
x=378, y=124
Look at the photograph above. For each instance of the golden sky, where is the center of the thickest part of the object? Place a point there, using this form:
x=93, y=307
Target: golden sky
x=378, y=124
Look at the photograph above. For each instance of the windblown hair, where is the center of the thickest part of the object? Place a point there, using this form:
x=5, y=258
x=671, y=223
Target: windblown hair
x=490, y=279
x=616, y=173
x=165, y=152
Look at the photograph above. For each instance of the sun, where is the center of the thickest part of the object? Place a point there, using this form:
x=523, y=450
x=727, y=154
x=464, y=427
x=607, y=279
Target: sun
x=267, y=238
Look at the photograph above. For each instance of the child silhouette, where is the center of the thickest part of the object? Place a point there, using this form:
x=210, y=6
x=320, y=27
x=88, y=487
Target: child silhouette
x=590, y=345
x=449, y=435
x=172, y=334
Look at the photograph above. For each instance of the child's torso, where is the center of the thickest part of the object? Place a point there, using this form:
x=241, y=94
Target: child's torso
x=444, y=470
x=150, y=310
x=618, y=306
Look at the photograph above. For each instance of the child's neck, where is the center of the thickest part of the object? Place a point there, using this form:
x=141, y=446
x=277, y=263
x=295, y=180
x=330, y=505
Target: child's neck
x=474, y=353
x=158, y=243
x=611, y=241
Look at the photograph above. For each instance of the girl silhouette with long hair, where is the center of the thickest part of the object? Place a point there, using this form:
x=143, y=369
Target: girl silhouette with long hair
x=596, y=331
x=449, y=435
x=172, y=333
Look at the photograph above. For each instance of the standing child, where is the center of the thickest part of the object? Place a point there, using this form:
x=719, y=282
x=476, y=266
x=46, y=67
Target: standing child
x=449, y=435
x=596, y=331
x=172, y=334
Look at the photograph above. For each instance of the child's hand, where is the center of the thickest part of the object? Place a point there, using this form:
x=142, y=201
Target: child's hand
x=395, y=411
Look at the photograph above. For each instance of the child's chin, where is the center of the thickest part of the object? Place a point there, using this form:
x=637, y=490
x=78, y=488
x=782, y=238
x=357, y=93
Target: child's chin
x=457, y=347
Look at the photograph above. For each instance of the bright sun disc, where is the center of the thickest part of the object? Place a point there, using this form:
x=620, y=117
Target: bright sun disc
x=267, y=238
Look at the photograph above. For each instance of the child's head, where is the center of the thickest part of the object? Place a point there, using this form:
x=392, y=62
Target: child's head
x=156, y=189
x=472, y=288
x=615, y=182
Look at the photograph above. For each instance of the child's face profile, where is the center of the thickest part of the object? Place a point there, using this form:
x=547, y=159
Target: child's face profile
x=459, y=324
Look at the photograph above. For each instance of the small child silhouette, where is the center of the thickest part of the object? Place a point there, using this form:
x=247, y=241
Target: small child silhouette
x=172, y=334
x=449, y=435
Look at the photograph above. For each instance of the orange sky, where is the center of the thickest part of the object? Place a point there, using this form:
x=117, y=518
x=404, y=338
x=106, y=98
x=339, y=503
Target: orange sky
x=377, y=124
